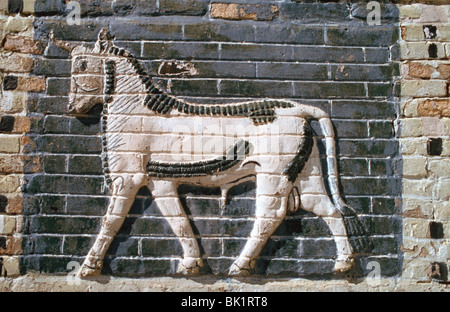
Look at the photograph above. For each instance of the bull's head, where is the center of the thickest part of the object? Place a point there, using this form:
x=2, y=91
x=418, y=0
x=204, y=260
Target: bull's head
x=87, y=83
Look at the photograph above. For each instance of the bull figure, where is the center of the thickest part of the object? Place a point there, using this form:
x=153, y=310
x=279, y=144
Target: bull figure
x=154, y=139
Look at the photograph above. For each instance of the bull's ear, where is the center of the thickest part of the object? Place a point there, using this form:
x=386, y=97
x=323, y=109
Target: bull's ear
x=104, y=35
x=103, y=42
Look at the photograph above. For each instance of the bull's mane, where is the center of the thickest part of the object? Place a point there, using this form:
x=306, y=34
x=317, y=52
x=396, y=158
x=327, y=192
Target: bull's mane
x=159, y=101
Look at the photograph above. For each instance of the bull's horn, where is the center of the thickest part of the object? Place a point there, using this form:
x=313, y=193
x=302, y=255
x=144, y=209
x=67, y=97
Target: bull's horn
x=59, y=43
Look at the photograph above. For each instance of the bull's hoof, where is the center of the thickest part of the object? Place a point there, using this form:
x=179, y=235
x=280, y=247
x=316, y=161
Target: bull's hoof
x=190, y=266
x=86, y=271
x=343, y=264
x=235, y=270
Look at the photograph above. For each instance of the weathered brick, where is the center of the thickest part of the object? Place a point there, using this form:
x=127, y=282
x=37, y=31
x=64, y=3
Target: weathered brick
x=362, y=109
x=367, y=35
x=67, y=184
x=434, y=107
x=421, y=50
x=180, y=7
x=55, y=163
x=22, y=44
x=8, y=224
x=58, y=86
x=11, y=245
x=424, y=88
x=52, y=67
x=85, y=164
x=122, y=7
x=77, y=245
x=161, y=247
x=64, y=225
x=145, y=29
x=234, y=11
x=175, y=50
x=292, y=71
x=288, y=33
x=382, y=167
x=411, y=127
x=256, y=88
x=47, y=244
x=124, y=246
x=9, y=143
x=69, y=144
x=52, y=204
x=315, y=12
x=415, y=167
x=362, y=72
x=219, y=30
x=371, y=186
x=371, y=147
x=86, y=205
x=16, y=63
x=10, y=266
x=381, y=129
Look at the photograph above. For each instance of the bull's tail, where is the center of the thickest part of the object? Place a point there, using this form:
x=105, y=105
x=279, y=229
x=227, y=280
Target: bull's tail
x=357, y=234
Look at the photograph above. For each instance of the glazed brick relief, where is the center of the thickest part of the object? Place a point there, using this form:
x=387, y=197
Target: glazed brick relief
x=320, y=54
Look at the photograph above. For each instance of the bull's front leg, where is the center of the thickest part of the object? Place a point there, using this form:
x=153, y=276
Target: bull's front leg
x=166, y=197
x=271, y=206
x=124, y=188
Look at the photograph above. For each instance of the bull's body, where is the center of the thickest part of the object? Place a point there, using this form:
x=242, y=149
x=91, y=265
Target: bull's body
x=153, y=139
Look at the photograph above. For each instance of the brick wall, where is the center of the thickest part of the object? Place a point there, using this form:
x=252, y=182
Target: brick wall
x=319, y=53
x=424, y=139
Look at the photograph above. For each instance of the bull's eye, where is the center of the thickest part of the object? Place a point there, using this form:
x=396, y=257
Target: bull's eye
x=83, y=65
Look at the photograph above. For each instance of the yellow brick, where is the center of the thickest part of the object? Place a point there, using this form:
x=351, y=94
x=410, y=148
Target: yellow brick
x=424, y=88
x=440, y=167
x=416, y=146
x=419, y=50
x=411, y=127
x=3, y=6
x=442, y=210
x=12, y=102
x=417, y=208
x=9, y=143
x=446, y=123
x=11, y=267
x=413, y=227
x=9, y=184
x=28, y=6
x=410, y=11
x=7, y=224
x=445, y=147
x=15, y=63
x=415, y=167
x=413, y=32
x=409, y=108
x=10, y=164
x=19, y=24
x=433, y=127
x=418, y=188
x=443, y=190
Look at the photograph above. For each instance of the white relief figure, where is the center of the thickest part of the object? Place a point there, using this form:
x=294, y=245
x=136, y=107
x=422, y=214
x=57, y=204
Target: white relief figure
x=148, y=140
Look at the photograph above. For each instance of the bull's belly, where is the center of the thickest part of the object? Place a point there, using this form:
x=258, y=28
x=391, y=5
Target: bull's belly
x=134, y=141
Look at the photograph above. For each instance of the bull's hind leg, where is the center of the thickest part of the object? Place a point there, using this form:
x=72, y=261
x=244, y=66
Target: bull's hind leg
x=124, y=189
x=322, y=206
x=166, y=197
x=271, y=206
